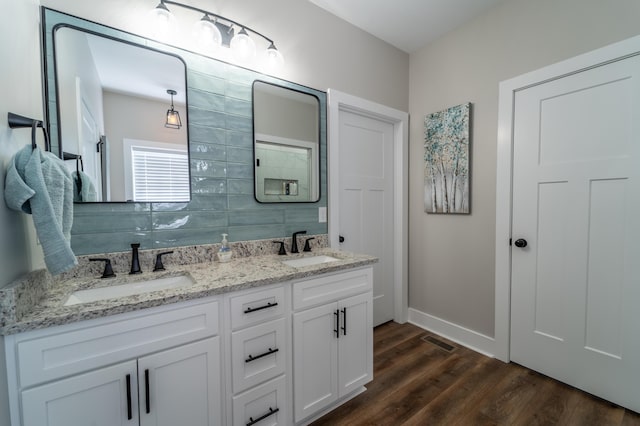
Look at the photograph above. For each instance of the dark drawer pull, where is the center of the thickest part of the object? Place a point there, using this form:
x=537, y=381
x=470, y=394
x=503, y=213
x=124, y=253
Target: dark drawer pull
x=269, y=352
x=264, y=416
x=129, y=413
x=344, y=321
x=147, y=399
x=259, y=308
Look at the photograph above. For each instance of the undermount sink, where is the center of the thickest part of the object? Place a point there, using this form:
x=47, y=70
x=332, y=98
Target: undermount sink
x=115, y=291
x=309, y=261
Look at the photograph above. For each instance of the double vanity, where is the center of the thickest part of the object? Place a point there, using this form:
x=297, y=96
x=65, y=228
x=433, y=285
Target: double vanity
x=259, y=340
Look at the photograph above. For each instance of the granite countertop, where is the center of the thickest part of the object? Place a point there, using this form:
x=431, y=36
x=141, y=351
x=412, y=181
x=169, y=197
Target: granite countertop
x=210, y=278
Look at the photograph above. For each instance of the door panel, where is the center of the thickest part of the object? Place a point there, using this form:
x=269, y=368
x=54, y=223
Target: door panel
x=184, y=385
x=95, y=398
x=315, y=359
x=576, y=198
x=366, y=201
x=355, y=344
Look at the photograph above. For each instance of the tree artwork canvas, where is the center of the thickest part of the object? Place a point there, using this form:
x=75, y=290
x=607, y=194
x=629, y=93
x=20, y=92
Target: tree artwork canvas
x=446, y=160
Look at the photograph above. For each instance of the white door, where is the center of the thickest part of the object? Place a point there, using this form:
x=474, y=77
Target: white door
x=575, y=301
x=89, y=138
x=366, y=201
x=104, y=397
x=181, y=386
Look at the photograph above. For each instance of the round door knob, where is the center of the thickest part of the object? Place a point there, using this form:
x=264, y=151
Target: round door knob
x=521, y=243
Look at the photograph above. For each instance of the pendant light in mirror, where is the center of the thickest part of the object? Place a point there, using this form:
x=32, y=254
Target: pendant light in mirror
x=173, y=117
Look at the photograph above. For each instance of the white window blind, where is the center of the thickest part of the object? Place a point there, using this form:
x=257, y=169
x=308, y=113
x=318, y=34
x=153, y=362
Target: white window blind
x=160, y=174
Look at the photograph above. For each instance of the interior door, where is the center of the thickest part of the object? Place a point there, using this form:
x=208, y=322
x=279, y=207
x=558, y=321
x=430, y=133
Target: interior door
x=576, y=224
x=366, y=201
x=89, y=136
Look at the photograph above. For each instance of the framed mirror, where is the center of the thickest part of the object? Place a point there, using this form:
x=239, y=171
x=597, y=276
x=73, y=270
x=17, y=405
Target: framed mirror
x=122, y=118
x=286, y=126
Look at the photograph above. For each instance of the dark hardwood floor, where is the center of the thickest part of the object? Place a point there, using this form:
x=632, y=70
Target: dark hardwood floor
x=416, y=382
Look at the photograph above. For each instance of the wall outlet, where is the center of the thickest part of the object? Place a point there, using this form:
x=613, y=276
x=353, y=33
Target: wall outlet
x=322, y=215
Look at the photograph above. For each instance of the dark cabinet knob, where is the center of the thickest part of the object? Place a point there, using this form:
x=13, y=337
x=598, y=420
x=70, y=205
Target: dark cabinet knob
x=340, y=238
x=521, y=243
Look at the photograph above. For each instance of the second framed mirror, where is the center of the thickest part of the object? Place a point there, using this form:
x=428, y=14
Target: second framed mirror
x=286, y=126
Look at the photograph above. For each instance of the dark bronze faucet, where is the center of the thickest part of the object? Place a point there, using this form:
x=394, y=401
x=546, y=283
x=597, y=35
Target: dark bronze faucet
x=294, y=241
x=135, y=262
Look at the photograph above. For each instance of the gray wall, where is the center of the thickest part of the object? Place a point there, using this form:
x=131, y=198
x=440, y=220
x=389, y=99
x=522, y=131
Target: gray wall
x=452, y=257
x=21, y=93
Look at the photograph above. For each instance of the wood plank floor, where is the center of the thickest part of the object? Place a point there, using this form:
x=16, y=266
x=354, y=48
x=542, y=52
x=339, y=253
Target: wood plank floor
x=417, y=382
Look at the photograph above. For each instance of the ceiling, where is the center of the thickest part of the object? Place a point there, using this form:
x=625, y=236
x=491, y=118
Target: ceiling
x=408, y=25
x=131, y=69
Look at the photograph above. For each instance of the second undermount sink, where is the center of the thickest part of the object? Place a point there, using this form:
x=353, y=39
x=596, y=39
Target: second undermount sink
x=115, y=291
x=309, y=261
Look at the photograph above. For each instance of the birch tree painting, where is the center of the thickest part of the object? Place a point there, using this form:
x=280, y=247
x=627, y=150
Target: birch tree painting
x=446, y=160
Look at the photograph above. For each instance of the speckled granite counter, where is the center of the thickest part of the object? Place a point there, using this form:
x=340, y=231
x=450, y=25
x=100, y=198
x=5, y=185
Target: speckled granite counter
x=211, y=278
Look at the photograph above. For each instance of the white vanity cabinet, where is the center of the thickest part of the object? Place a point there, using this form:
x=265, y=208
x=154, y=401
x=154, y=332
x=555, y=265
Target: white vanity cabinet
x=277, y=354
x=259, y=357
x=160, y=366
x=332, y=339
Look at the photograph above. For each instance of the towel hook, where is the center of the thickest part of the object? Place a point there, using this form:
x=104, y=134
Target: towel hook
x=18, y=121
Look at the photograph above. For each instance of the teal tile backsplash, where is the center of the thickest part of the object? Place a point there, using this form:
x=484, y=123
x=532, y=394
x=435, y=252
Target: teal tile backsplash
x=221, y=148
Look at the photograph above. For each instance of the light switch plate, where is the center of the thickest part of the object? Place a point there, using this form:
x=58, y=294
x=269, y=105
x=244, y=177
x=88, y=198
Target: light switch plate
x=322, y=215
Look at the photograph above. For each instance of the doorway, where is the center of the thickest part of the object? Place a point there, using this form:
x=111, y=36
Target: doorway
x=368, y=193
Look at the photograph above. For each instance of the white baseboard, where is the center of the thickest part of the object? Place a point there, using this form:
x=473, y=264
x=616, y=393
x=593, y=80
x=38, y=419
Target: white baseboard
x=469, y=338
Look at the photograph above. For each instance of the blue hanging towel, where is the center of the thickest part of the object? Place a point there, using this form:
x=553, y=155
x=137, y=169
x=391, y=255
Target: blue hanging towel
x=83, y=188
x=40, y=184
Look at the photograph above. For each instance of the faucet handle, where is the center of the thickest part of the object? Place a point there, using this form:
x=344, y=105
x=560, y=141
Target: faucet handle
x=307, y=246
x=108, y=270
x=281, y=251
x=159, y=266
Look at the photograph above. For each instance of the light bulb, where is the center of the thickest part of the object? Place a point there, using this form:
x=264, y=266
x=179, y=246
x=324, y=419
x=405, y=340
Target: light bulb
x=243, y=46
x=206, y=33
x=161, y=21
x=274, y=59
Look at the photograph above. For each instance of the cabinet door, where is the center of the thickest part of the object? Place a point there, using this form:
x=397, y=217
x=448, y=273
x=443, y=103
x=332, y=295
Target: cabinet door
x=315, y=359
x=355, y=345
x=104, y=397
x=181, y=386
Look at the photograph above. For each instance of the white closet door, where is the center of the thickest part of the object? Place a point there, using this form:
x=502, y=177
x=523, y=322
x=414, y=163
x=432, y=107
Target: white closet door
x=576, y=202
x=366, y=201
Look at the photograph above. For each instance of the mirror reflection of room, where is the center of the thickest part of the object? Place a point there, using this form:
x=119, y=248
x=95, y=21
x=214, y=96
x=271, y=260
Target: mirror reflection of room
x=118, y=105
x=286, y=132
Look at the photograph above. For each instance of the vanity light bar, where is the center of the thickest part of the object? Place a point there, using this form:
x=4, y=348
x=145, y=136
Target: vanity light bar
x=222, y=32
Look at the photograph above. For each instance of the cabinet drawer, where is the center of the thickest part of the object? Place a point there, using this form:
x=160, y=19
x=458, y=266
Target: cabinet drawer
x=257, y=307
x=67, y=350
x=329, y=288
x=258, y=354
x=263, y=405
